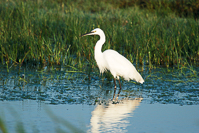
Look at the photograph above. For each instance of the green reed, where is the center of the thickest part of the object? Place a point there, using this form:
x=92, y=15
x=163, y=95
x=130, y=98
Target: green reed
x=3, y=128
x=47, y=33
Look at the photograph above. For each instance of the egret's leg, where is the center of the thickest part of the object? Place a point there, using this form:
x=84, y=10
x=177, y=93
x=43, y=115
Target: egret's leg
x=120, y=84
x=115, y=84
x=114, y=89
x=119, y=89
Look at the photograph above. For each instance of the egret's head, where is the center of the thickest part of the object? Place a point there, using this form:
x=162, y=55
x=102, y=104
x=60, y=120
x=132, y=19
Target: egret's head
x=96, y=31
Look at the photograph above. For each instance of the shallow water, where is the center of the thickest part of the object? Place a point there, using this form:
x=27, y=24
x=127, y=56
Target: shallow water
x=129, y=116
x=55, y=99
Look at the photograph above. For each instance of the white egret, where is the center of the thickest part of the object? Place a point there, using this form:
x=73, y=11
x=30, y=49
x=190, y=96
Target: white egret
x=111, y=60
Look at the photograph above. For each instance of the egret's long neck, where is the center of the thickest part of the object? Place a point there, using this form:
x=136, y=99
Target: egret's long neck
x=98, y=46
x=98, y=53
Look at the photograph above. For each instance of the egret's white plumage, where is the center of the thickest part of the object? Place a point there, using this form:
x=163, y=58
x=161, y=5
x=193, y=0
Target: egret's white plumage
x=111, y=60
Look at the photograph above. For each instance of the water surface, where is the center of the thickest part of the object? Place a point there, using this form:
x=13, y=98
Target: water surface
x=56, y=99
x=130, y=116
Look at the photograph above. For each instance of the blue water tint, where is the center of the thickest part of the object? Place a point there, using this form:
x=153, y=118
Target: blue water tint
x=166, y=102
x=130, y=115
x=165, y=118
x=60, y=86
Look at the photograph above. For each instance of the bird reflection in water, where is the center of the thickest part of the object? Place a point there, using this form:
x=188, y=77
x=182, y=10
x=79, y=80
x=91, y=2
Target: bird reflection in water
x=115, y=99
x=111, y=117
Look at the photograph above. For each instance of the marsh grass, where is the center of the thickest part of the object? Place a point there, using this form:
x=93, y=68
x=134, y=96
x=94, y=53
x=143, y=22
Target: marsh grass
x=3, y=128
x=47, y=33
x=19, y=128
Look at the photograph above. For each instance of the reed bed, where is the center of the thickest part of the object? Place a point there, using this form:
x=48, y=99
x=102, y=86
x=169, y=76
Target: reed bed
x=47, y=33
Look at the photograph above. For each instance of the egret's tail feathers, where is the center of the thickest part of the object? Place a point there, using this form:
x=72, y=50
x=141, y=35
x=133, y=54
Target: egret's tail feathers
x=138, y=78
x=141, y=81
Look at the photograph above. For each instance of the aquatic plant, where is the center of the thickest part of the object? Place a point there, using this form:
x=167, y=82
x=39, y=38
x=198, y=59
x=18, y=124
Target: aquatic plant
x=47, y=32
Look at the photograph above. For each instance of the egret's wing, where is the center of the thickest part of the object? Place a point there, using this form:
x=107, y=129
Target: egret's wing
x=120, y=66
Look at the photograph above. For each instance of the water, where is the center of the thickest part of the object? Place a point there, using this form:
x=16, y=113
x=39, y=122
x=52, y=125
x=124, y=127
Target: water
x=130, y=116
x=56, y=100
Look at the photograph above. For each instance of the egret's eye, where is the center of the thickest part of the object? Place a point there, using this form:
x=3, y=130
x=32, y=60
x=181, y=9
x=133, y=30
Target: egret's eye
x=94, y=31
